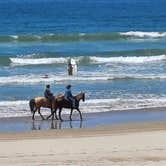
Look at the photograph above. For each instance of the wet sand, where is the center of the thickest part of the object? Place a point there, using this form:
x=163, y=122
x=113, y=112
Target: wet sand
x=21, y=124
x=128, y=144
x=119, y=142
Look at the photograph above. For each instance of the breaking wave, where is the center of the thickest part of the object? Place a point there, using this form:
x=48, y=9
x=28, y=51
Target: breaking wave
x=37, y=61
x=96, y=76
x=142, y=59
x=85, y=60
x=21, y=107
x=140, y=34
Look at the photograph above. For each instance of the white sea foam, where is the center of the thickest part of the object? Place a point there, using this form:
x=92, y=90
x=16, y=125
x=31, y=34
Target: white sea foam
x=33, y=61
x=82, y=34
x=30, y=60
x=14, y=36
x=35, y=79
x=142, y=59
x=21, y=108
x=144, y=34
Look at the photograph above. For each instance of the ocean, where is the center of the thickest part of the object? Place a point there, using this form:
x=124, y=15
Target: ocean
x=119, y=47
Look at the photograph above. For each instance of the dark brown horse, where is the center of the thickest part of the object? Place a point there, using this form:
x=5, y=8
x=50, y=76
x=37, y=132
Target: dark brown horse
x=61, y=102
x=36, y=103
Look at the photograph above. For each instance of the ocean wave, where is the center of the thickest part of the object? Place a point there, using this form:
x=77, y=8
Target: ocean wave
x=21, y=107
x=56, y=57
x=81, y=37
x=86, y=60
x=60, y=37
x=140, y=34
x=141, y=59
x=37, y=61
x=35, y=79
x=91, y=76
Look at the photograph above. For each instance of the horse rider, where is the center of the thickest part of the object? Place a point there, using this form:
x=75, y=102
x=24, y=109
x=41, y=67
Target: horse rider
x=48, y=94
x=68, y=96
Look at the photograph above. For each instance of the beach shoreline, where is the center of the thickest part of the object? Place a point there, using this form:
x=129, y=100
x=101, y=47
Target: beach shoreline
x=129, y=142
x=104, y=130
x=90, y=120
x=123, y=144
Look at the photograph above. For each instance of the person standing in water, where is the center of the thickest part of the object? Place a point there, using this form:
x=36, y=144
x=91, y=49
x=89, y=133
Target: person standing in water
x=72, y=67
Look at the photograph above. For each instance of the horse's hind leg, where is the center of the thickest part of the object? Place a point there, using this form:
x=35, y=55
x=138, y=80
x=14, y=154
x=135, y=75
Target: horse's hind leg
x=41, y=114
x=33, y=116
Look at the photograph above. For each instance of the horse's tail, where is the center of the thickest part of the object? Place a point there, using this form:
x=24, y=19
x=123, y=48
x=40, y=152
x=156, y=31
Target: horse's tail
x=32, y=105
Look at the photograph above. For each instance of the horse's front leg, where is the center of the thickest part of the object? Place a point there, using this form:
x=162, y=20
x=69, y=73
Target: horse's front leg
x=60, y=110
x=55, y=112
x=71, y=112
x=79, y=113
x=41, y=114
x=52, y=113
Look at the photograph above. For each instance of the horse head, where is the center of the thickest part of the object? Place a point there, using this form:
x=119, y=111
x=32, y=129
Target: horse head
x=83, y=96
x=80, y=96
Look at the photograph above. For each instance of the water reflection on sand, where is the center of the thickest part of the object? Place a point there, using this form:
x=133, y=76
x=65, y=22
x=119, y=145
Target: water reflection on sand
x=55, y=124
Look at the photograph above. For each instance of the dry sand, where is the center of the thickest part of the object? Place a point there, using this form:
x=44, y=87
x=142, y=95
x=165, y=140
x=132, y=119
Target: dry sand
x=129, y=144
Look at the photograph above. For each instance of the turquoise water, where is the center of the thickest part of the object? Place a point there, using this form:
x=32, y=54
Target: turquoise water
x=120, y=49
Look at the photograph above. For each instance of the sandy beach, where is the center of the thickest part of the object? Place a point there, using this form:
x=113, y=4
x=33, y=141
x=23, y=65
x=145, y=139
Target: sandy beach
x=124, y=144
x=112, y=53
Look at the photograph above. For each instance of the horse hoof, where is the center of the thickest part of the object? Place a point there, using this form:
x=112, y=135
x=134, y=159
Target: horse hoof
x=48, y=118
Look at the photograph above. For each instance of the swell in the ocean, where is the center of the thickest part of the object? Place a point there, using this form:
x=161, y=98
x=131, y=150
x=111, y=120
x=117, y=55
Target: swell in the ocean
x=122, y=56
x=82, y=36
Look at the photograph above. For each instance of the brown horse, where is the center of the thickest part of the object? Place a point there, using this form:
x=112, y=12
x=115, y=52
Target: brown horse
x=61, y=102
x=36, y=103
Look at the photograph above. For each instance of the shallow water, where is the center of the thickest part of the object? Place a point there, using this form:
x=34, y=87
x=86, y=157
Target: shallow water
x=89, y=120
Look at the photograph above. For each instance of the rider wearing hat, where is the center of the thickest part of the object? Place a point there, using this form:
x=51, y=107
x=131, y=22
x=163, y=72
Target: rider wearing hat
x=69, y=96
